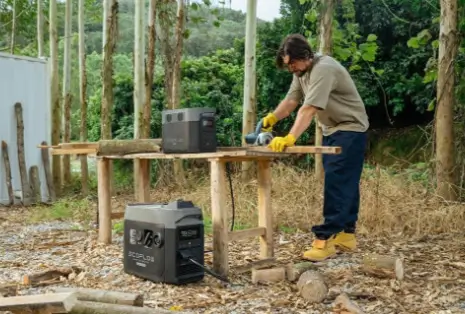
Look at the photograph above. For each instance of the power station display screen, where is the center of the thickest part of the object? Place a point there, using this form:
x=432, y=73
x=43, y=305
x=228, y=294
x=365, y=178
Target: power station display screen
x=189, y=233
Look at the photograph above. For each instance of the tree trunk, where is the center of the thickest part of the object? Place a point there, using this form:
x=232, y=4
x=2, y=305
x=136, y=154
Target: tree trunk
x=445, y=155
x=250, y=101
x=13, y=29
x=176, y=80
x=82, y=93
x=111, y=29
x=325, y=47
x=139, y=85
x=54, y=94
x=40, y=29
x=67, y=92
x=150, y=68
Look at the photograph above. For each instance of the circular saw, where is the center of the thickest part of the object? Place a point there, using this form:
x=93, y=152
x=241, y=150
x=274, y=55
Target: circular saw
x=259, y=138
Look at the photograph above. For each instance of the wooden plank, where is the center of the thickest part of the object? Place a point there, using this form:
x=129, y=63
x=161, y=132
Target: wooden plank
x=73, y=151
x=104, y=201
x=235, y=152
x=89, y=145
x=265, y=214
x=219, y=217
x=25, y=187
x=35, y=184
x=246, y=233
x=40, y=303
x=6, y=161
x=48, y=172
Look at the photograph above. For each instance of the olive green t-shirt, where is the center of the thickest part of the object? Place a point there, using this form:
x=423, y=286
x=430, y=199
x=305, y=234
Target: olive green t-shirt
x=329, y=87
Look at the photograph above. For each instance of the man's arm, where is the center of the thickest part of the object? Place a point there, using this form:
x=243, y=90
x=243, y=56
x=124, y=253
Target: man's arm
x=303, y=120
x=285, y=108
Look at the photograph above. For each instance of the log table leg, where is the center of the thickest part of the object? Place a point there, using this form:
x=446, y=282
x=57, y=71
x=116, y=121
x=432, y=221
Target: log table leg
x=143, y=180
x=219, y=217
x=104, y=200
x=265, y=218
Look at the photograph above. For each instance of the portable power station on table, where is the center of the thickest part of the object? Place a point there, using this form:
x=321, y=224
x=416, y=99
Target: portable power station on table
x=164, y=242
x=189, y=130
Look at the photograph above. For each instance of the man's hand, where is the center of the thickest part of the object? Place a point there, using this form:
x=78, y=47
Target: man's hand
x=268, y=122
x=278, y=144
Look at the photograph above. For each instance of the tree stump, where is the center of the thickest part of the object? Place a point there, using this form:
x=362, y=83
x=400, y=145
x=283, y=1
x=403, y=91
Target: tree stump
x=312, y=286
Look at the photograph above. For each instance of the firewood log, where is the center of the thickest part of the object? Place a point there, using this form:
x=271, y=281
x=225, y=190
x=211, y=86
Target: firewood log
x=383, y=266
x=312, y=286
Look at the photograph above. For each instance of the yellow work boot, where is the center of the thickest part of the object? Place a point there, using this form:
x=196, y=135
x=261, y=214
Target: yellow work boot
x=345, y=241
x=321, y=250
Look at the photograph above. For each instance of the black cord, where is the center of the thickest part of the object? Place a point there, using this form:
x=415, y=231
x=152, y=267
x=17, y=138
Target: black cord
x=228, y=173
x=210, y=272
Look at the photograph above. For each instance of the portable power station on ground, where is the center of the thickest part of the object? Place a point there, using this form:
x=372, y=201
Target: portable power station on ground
x=189, y=130
x=164, y=242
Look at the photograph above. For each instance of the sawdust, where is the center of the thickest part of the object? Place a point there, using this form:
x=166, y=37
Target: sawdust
x=434, y=267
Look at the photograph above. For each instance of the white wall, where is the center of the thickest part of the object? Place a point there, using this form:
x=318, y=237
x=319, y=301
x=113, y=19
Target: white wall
x=24, y=80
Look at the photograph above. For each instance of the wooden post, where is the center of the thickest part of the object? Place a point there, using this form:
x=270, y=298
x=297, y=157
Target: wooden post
x=25, y=187
x=9, y=185
x=48, y=172
x=143, y=181
x=219, y=218
x=249, y=101
x=265, y=218
x=104, y=200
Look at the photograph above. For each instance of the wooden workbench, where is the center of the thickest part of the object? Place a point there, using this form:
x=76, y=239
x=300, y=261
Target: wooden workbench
x=221, y=235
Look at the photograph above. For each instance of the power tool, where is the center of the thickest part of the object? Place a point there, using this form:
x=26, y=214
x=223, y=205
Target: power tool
x=259, y=138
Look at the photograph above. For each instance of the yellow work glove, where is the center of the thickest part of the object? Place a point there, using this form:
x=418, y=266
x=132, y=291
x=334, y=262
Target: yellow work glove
x=278, y=144
x=268, y=122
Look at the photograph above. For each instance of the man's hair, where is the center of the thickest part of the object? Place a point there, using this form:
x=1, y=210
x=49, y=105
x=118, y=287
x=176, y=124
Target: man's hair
x=296, y=47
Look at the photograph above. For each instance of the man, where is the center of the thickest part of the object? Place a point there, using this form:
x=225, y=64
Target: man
x=327, y=91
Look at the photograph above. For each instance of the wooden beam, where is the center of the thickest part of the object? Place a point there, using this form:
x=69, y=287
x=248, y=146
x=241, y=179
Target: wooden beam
x=219, y=217
x=265, y=214
x=41, y=303
x=246, y=233
x=300, y=149
x=104, y=201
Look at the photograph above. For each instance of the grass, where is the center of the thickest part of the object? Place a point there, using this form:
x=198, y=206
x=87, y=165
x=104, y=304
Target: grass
x=392, y=202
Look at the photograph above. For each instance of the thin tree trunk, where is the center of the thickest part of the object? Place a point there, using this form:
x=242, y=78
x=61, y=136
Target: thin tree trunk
x=40, y=29
x=13, y=29
x=176, y=80
x=107, y=73
x=150, y=67
x=325, y=47
x=250, y=100
x=445, y=154
x=67, y=91
x=139, y=84
x=54, y=94
x=82, y=93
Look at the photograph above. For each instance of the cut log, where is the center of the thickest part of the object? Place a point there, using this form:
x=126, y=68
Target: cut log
x=35, y=184
x=293, y=271
x=48, y=172
x=6, y=161
x=344, y=305
x=312, y=286
x=268, y=275
x=47, y=277
x=7, y=290
x=25, y=187
x=124, y=147
x=86, y=307
x=103, y=296
x=41, y=303
x=383, y=266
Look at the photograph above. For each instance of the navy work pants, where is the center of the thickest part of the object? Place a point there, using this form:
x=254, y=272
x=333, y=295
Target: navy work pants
x=342, y=183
